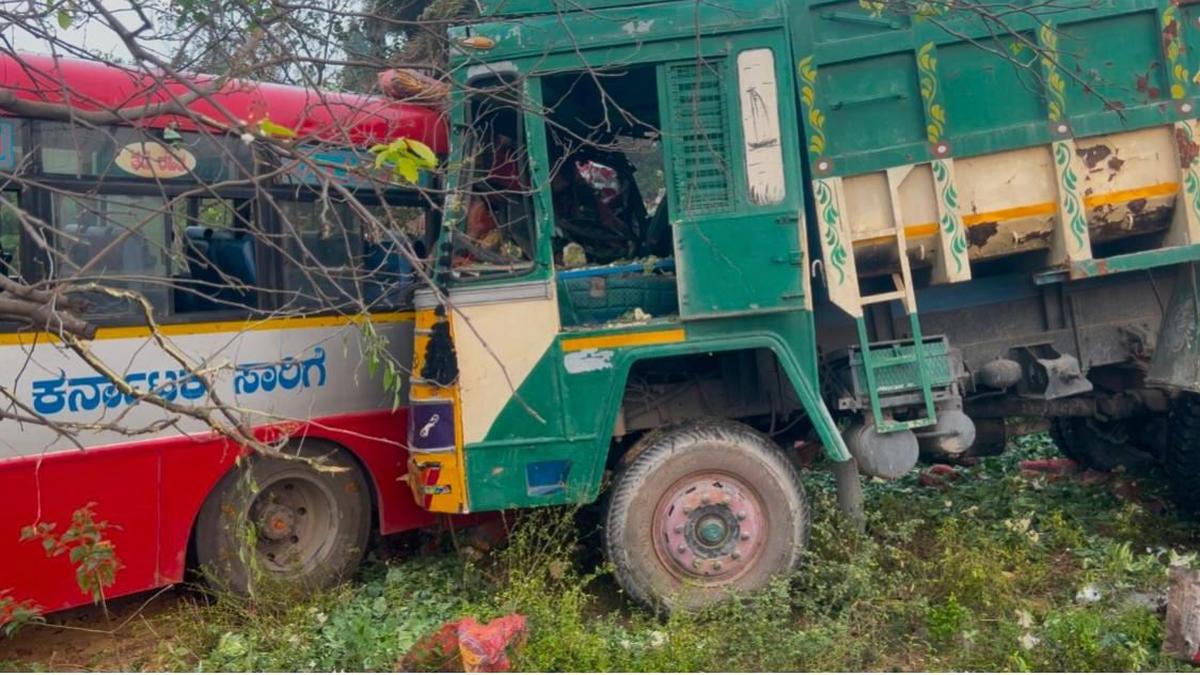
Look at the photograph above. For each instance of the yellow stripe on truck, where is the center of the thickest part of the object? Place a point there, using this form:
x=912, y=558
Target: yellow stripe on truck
x=630, y=339
x=1031, y=210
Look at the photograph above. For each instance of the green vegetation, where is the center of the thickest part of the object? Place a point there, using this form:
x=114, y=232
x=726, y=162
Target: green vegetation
x=995, y=570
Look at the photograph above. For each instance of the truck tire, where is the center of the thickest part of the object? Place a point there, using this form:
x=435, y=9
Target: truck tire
x=705, y=509
x=310, y=526
x=1100, y=445
x=1181, y=456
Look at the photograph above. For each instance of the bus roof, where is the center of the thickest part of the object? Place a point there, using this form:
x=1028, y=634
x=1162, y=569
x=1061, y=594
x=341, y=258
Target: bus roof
x=312, y=114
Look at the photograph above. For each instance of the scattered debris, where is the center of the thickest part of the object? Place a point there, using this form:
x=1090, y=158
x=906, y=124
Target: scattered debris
x=1088, y=595
x=938, y=474
x=412, y=86
x=807, y=452
x=1130, y=490
x=657, y=638
x=573, y=256
x=1056, y=466
x=1181, y=635
x=635, y=315
x=1155, y=602
x=468, y=646
x=1024, y=618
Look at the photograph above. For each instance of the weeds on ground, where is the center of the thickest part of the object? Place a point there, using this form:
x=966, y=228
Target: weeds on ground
x=365, y=626
x=994, y=571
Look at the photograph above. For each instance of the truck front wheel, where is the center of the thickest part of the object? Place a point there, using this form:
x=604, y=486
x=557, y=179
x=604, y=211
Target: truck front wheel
x=703, y=510
x=283, y=520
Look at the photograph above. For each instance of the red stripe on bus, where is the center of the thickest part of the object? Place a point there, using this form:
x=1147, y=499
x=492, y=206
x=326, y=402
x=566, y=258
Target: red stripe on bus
x=150, y=492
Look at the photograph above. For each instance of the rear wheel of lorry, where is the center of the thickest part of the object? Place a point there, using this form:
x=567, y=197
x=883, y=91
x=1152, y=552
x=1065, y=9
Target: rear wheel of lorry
x=1181, y=455
x=1099, y=444
x=287, y=521
x=705, y=509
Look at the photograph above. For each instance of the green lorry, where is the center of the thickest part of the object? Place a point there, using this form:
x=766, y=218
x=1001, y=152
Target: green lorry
x=682, y=237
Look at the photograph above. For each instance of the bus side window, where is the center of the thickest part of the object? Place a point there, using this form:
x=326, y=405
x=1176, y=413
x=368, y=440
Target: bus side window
x=118, y=241
x=387, y=268
x=213, y=254
x=317, y=246
x=335, y=258
x=10, y=235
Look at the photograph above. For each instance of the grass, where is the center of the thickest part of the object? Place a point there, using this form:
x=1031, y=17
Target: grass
x=994, y=571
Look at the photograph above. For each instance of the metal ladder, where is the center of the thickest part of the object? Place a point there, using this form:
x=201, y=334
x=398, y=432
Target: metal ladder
x=878, y=359
x=838, y=242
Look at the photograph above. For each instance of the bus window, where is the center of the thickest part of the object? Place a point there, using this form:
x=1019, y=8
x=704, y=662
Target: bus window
x=213, y=256
x=386, y=266
x=336, y=258
x=117, y=240
x=135, y=154
x=10, y=236
x=322, y=241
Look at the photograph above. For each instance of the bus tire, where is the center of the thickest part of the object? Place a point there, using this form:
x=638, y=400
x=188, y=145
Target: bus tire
x=705, y=509
x=280, y=520
x=1181, y=455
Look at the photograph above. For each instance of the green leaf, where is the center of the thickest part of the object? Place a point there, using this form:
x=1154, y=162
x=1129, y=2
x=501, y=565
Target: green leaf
x=407, y=168
x=64, y=19
x=269, y=128
x=424, y=153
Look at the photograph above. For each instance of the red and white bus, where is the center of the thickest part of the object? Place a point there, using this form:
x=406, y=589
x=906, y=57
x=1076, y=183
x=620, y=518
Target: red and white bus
x=218, y=237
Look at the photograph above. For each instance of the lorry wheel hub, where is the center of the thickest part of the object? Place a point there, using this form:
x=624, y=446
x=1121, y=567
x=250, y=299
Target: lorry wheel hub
x=711, y=530
x=709, y=527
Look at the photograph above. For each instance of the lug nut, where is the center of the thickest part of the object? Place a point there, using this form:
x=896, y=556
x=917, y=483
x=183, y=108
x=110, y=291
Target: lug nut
x=745, y=537
x=717, y=565
x=705, y=499
x=735, y=555
x=681, y=548
x=678, y=529
x=741, y=515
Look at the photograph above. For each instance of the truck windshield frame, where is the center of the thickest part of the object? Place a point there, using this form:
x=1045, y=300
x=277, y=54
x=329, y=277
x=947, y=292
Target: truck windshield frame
x=492, y=227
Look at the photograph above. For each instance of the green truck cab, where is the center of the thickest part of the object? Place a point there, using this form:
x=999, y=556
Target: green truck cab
x=678, y=235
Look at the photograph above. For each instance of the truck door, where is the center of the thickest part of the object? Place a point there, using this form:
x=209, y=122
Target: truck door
x=733, y=173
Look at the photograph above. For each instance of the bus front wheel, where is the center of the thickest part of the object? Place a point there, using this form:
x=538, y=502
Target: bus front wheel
x=302, y=524
x=705, y=509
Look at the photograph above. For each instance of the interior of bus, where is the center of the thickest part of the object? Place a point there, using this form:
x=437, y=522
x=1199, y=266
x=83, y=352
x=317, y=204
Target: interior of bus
x=218, y=239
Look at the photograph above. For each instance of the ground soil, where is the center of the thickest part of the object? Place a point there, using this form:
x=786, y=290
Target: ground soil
x=126, y=637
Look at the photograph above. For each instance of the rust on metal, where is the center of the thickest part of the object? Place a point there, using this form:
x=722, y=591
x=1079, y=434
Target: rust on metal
x=1093, y=154
x=980, y=234
x=1188, y=149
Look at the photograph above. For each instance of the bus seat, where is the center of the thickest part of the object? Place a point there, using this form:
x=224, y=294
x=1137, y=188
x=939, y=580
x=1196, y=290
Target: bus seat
x=386, y=269
x=215, y=258
x=233, y=254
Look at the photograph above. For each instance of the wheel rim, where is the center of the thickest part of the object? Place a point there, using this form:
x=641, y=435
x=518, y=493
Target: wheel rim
x=709, y=528
x=295, y=518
